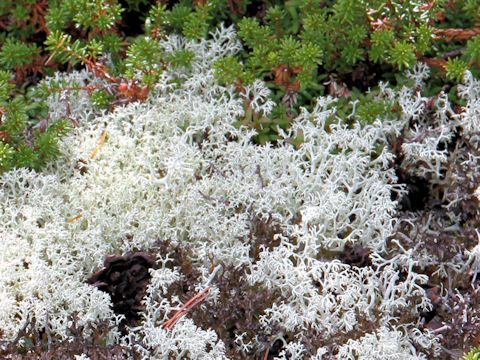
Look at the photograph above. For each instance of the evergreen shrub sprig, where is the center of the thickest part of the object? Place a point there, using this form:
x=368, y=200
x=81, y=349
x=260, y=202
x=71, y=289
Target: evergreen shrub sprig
x=473, y=354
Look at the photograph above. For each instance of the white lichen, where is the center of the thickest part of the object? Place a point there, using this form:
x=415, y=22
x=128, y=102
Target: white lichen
x=169, y=169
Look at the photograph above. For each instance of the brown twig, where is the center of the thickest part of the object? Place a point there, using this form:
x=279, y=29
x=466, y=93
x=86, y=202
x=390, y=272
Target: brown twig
x=454, y=53
x=199, y=297
x=265, y=357
x=47, y=331
x=100, y=143
x=259, y=173
x=74, y=218
x=456, y=34
x=20, y=334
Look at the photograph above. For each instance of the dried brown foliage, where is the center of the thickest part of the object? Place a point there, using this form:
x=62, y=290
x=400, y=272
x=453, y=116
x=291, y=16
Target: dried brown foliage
x=239, y=304
x=125, y=279
x=445, y=229
x=33, y=344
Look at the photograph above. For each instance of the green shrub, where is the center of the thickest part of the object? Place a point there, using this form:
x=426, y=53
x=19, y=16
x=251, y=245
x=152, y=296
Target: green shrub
x=297, y=47
x=474, y=354
x=27, y=138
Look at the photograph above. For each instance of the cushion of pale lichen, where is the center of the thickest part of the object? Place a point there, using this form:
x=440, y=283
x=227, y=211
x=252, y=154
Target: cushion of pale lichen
x=175, y=167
